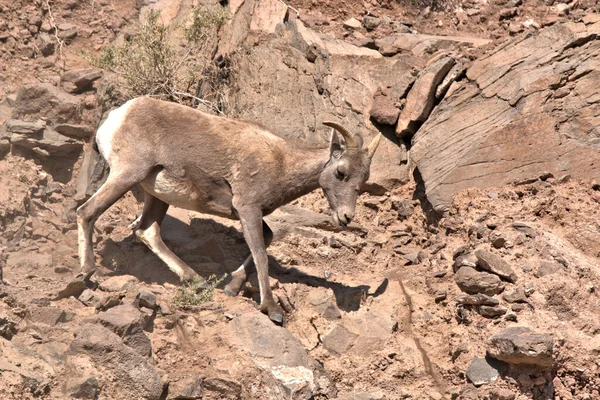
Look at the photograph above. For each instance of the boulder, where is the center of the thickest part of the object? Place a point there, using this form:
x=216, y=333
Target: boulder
x=521, y=345
x=383, y=110
x=36, y=100
x=472, y=281
x=99, y=351
x=275, y=350
x=129, y=323
x=533, y=93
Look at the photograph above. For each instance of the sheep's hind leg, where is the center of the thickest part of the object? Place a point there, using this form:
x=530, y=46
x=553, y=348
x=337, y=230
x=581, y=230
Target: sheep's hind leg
x=148, y=231
x=240, y=275
x=116, y=185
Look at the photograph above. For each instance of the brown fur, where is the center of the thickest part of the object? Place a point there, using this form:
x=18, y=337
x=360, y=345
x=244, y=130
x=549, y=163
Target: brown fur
x=219, y=166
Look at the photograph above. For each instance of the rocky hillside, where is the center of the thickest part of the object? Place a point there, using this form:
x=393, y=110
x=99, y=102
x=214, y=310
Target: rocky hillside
x=471, y=270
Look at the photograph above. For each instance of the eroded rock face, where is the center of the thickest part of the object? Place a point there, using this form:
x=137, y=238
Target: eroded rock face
x=529, y=107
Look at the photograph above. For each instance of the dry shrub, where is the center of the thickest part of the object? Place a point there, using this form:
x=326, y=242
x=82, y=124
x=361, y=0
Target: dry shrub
x=172, y=63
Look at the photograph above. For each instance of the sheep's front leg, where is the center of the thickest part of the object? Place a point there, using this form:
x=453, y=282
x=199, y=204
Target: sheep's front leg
x=252, y=227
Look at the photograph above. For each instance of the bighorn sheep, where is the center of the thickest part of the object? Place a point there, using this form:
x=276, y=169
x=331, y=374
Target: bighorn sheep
x=219, y=166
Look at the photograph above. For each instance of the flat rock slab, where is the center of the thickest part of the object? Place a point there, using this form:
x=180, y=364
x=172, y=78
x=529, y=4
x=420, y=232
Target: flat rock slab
x=485, y=370
x=521, y=345
x=118, y=283
x=495, y=264
x=421, y=97
x=472, y=281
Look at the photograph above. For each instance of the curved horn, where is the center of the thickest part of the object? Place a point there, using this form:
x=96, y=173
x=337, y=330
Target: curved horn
x=373, y=145
x=351, y=143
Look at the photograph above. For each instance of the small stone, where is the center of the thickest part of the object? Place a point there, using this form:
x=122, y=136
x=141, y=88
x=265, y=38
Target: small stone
x=75, y=287
x=492, y=312
x=440, y=296
x=524, y=228
x=85, y=388
x=370, y=22
x=339, y=340
x=352, y=23
x=495, y=264
x=468, y=260
x=188, y=388
x=477, y=300
x=482, y=371
x=147, y=299
x=497, y=240
x=471, y=281
x=118, y=283
x=521, y=345
x=516, y=296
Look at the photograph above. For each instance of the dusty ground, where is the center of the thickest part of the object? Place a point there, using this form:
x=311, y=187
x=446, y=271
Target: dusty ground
x=374, y=305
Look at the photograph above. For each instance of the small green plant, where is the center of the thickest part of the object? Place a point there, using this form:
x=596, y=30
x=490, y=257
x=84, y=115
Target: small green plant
x=190, y=294
x=167, y=62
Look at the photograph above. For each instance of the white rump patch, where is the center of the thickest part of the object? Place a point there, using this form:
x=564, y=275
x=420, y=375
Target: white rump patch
x=105, y=133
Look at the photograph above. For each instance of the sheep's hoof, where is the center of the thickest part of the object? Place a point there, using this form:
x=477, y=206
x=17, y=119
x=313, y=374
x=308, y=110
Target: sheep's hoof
x=229, y=292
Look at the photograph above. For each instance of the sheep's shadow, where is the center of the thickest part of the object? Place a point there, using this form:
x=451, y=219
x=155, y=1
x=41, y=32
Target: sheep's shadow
x=211, y=248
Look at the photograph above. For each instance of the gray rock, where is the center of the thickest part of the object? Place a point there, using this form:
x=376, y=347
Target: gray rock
x=50, y=144
x=129, y=323
x=118, y=283
x=521, y=345
x=8, y=327
x=78, y=131
x=516, y=296
x=187, y=388
x=80, y=80
x=97, y=346
x=339, y=340
x=37, y=100
x=524, y=228
x=495, y=264
x=84, y=388
x=492, y=312
x=275, y=350
x=146, y=298
x=25, y=128
x=471, y=281
x=467, y=260
x=479, y=299
x=370, y=22
x=482, y=371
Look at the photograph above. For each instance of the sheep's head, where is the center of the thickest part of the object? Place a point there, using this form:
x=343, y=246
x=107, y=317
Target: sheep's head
x=346, y=171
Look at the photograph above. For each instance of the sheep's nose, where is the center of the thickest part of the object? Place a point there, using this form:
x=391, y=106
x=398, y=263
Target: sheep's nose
x=348, y=218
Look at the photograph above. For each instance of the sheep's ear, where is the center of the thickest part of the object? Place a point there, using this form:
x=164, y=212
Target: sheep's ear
x=335, y=145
